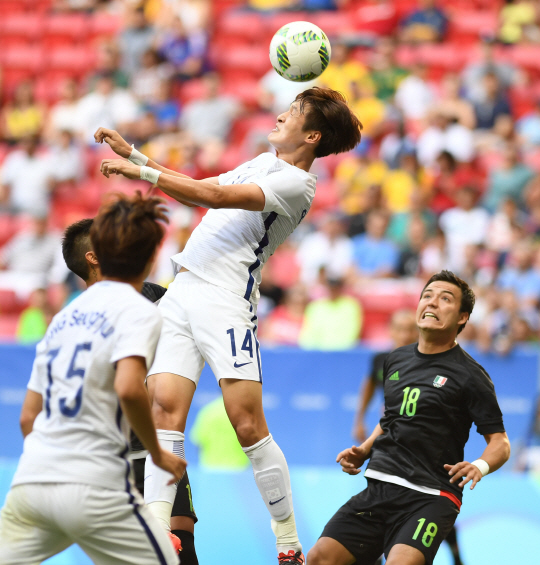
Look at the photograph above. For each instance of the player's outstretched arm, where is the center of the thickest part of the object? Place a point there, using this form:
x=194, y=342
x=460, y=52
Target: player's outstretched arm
x=133, y=396
x=203, y=193
x=121, y=147
x=494, y=457
x=353, y=458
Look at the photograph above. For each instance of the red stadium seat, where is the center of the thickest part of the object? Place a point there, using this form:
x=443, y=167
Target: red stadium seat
x=68, y=26
x=326, y=196
x=527, y=56
x=191, y=90
x=469, y=25
x=8, y=326
x=242, y=25
x=9, y=303
x=8, y=228
x=47, y=90
x=77, y=60
x=254, y=60
x=279, y=19
x=333, y=23
x=11, y=78
x=28, y=26
x=25, y=58
x=379, y=18
x=245, y=90
x=103, y=24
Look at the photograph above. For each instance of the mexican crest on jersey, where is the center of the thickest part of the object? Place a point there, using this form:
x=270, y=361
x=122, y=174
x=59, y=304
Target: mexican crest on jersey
x=439, y=381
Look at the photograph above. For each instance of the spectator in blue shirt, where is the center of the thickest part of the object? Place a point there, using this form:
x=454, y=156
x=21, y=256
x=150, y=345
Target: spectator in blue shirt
x=520, y=276
x=528, y=127
x=165, y=110
x=427, y=23
x=375, y=255
x=493, y=105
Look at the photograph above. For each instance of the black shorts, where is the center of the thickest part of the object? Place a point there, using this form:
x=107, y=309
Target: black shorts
x=384, y=514
x=183, y=503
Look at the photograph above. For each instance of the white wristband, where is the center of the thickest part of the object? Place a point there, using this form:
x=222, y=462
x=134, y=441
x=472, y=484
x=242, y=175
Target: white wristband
x=149, y=174
x=137, y=158
x=483, y=467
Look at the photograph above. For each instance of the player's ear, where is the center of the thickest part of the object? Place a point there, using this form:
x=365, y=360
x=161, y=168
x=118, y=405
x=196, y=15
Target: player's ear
x=90, y=256
x=313, y=137
x=463, y=318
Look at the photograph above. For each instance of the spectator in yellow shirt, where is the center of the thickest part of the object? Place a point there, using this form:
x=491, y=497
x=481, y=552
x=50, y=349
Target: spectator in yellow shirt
x=342, y=72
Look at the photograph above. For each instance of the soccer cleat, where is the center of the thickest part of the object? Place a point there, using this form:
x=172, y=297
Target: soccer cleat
x=291, y=558
x=177, y=544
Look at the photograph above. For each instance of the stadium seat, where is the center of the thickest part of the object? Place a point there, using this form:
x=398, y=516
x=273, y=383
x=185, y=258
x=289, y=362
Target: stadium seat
x=326, y=196
x=333, y=23
x=279, y=19
x=47, y=89
x=257, y=122
x=254, y=60
x=10, y=303
x=244, y=90
x=102, y=24
x=73, y=27
x=527, y=56
x=469, y=25
x=242, y=25
x=24, y=25
x=76, y=60
x=379, y=18
x=8, y=326
x=8, y=228
x=25, y=58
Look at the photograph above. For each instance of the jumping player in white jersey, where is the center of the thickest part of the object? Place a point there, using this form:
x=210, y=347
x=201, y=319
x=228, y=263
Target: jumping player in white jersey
x=210, y=310
x=73, y=483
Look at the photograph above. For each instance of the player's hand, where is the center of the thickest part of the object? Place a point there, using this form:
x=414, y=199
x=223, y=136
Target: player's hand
x=352, y=459
x=171, y=463
x=117, y=143
x=120, y=167
x=465, y=471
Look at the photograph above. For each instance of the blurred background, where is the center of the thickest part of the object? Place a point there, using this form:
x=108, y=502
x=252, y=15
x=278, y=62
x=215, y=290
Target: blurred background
x=447, y=176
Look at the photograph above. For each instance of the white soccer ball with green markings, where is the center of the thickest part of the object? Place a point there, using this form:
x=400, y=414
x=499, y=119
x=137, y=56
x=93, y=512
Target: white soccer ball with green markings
x=300, y=51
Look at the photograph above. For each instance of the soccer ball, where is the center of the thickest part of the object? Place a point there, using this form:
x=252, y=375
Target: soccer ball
x=300, y=51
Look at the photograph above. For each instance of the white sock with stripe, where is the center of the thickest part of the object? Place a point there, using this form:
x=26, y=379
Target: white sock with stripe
x=158, y=495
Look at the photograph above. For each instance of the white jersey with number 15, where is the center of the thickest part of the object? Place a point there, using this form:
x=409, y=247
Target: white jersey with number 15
x=81, y=435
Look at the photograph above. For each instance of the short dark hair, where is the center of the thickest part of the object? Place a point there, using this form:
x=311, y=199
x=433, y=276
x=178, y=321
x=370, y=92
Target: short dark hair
x=326, y=110
x=75, y=244
x=467, y=295
x=126, y=233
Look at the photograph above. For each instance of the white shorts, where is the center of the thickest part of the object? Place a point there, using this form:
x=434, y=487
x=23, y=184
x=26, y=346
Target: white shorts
x=204, y=322
x=40, y=520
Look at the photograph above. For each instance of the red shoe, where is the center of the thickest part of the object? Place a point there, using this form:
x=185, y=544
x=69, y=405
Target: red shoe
x=177, y=544
x=291, y=558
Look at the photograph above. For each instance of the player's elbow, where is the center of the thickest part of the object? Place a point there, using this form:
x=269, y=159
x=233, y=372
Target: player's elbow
x=129, y=391
x=26, y=421
x=506, y=449
x=216, y=197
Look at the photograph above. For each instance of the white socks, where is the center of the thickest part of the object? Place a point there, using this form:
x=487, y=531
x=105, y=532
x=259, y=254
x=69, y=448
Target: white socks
x=158, y=495
x=273, y=481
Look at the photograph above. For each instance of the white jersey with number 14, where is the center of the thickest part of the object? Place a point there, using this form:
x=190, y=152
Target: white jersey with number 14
x=229, y=247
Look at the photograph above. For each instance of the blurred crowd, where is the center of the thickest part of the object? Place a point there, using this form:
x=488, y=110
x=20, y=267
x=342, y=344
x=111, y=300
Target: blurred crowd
x=447, y=174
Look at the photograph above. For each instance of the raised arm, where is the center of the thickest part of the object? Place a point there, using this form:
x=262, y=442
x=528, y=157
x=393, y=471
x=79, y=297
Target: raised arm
x=205, y=193
x=494, y=457
x=121, y=147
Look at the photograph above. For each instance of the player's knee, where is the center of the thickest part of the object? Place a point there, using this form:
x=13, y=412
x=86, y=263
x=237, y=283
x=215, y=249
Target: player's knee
x=247, y=430
x=316, y=556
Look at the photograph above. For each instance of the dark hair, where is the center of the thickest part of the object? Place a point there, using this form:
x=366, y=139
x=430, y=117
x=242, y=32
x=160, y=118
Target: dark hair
x=326, y=110
x=75, y=245
x=126, y=233
x=467, y=295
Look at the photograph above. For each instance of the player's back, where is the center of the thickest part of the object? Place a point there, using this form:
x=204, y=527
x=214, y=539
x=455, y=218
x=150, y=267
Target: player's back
x=81, y=435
